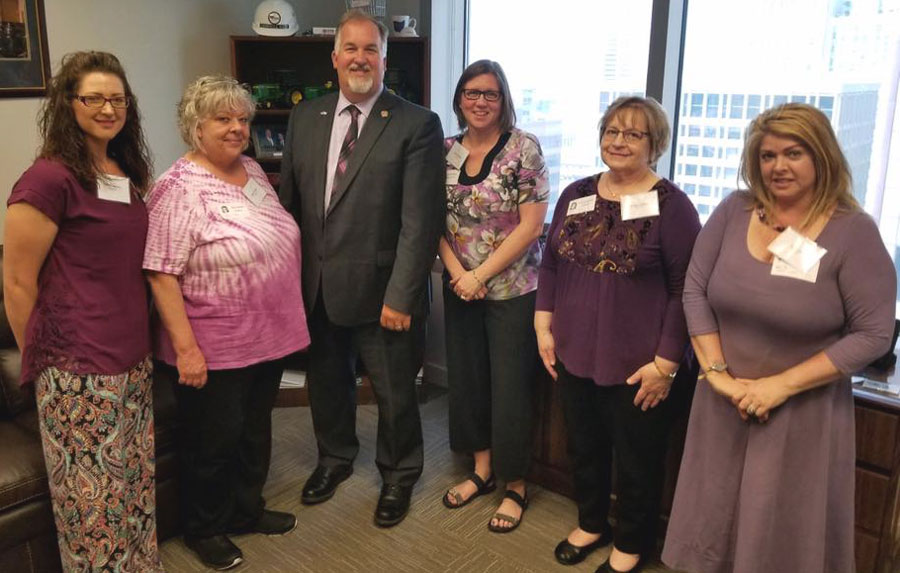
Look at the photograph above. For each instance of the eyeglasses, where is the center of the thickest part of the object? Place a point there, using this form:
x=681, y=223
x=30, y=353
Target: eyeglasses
x=489, y=95
x=629, y=135
x=95, y=101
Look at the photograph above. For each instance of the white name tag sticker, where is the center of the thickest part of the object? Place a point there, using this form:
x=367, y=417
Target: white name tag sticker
x=232, y=211
x=583, y=205
x=452, y=176
x=796, y=250
x=781, y=268
x=640, y=205
x=457, y=155
x=114, y=188
x=255, y=192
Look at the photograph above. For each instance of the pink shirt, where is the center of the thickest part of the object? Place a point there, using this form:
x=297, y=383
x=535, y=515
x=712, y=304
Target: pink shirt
x=237, y=261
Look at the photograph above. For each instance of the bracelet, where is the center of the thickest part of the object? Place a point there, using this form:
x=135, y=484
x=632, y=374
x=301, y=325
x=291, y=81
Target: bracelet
x=670, y=376
x=480, y=282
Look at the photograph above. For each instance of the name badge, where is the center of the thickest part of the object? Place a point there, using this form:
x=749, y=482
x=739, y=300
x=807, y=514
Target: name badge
x=255, y=192
x=781, y=268
x=640, y=205
x=114, y=188
x=232, y=211
x=801, y=253
x=452, y=176
x=457, y=155
x=583, y=205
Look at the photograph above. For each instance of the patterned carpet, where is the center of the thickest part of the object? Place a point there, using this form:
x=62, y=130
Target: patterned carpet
x=338, y=536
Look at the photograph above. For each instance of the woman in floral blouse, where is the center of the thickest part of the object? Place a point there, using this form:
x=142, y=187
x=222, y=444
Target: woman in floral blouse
x=611, y=329
x=496, y=202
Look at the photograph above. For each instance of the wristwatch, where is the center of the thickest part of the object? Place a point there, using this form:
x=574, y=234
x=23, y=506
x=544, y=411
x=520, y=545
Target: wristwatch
x=717, y=366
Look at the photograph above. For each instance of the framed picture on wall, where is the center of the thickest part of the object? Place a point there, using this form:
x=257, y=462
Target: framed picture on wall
x=24, y=59
x=268, y=140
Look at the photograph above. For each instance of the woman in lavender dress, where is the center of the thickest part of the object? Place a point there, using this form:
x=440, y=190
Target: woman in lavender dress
x=496, y=201
x=611, y=329
x=766, y=482
x=223, y=261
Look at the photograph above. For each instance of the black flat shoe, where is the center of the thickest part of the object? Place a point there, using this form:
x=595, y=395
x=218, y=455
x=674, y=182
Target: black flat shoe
x=216, y=552
x=270, y=523
x=484, y=487
x=569, y=554
x=323, y=482
x=393, y=504
x=607, y=568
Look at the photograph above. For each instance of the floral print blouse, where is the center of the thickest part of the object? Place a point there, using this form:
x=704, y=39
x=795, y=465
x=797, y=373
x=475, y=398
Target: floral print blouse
x=483, y=210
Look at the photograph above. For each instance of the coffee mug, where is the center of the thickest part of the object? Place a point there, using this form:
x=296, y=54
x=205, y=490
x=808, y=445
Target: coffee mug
x=404, y=25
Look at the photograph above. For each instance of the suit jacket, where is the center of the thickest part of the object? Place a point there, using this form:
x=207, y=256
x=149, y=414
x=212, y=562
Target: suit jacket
x=379, y=238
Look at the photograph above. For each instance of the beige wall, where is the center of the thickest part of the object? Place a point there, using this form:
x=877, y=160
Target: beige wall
x=163, y=44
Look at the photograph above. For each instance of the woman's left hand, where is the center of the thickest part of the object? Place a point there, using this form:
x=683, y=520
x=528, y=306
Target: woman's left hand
x=654, y=386
x=763, y=396
x=468, y=287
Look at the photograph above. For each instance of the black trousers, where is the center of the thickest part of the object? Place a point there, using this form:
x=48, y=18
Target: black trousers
x=225, y=446
x=392, y=360
x=604, y=425
x=491, y=361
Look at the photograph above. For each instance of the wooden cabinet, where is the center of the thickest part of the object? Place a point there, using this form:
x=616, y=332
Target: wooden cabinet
x=307, y=59
x=877, y=535
x=877, y=483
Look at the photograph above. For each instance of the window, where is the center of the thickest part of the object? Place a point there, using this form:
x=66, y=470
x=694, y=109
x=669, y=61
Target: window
x=556, y=97
x=843, y=60
x=706, y=171
x=737, y=106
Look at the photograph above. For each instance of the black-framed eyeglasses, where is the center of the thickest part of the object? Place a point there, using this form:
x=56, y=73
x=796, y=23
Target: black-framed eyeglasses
x=96, y=101
x=489, y=95
x=629, y=135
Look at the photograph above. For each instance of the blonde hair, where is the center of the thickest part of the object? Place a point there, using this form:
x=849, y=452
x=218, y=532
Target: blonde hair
x=811, y=128
x=207, y=96
x=657, y=121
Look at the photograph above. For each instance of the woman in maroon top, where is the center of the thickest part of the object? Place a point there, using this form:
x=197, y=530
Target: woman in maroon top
x=77, y=305
x=611, y=329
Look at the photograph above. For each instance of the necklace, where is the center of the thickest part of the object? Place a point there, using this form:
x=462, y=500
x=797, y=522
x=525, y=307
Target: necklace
x=761, y=215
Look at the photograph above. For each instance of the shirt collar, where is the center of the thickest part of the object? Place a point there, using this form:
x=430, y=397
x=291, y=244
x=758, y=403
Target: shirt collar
x=365, y=106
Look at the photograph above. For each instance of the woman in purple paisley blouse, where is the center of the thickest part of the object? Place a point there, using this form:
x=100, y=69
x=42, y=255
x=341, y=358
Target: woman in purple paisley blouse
x=611, y=330
x=77, y=304
x=496, y=202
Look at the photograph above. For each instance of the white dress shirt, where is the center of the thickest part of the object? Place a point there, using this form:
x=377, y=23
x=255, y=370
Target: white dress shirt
x=339, y=130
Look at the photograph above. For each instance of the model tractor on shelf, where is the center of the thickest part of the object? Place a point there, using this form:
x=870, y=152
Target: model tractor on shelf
x=281, y=91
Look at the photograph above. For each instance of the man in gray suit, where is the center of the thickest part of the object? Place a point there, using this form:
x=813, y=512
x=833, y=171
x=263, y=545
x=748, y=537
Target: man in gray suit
x=363, y=173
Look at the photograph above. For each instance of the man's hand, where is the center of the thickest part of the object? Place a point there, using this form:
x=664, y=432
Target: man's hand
x=394, y=320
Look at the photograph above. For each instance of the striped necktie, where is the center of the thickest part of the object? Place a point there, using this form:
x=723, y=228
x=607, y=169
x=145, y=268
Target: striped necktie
x=347, y=146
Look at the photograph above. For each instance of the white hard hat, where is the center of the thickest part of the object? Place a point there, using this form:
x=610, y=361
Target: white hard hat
x=275, y=18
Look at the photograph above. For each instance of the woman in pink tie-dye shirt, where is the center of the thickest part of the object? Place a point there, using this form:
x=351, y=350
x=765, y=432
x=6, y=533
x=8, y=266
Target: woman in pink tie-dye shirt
x=223, y=261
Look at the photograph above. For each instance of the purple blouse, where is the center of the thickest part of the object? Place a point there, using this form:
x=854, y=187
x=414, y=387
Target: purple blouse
x=90, y=316
x=614, y=287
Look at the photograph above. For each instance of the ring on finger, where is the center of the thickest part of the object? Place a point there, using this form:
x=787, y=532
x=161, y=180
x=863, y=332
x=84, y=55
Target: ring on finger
x=751, y=410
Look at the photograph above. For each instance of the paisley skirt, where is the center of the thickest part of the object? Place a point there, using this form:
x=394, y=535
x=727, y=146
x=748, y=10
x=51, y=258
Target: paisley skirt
x=97, y=432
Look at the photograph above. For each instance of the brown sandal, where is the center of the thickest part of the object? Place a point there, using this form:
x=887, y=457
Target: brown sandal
x=515, y=521
x=484, y=487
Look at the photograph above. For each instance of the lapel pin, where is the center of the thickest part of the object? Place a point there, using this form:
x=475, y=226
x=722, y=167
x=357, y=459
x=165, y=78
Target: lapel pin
x=323, y=113
x=385, y=113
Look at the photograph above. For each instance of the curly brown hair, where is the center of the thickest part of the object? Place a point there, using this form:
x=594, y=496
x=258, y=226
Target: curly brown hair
x=63, y=139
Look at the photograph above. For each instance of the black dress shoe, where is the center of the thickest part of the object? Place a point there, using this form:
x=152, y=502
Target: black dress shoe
x=321, y=484
x=393, y=504
x=607, y=568
x=570, y=554
x=216, y=552
x=270, y=523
